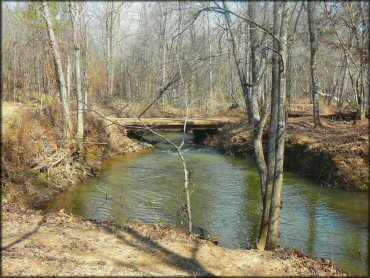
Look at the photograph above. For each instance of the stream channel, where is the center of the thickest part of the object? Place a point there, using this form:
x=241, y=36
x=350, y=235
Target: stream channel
x=225, y=199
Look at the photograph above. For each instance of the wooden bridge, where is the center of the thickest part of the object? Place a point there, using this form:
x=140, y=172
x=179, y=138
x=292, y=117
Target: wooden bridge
x=171, y=123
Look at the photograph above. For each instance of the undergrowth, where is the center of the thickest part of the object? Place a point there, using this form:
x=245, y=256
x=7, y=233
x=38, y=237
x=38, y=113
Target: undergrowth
x=39, y=161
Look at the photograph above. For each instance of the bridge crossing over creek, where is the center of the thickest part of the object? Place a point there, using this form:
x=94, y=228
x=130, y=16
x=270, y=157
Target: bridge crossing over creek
x=201, y=127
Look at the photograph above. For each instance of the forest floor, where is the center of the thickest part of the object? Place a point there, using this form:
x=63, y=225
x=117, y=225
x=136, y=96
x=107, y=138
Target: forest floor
x=336, y=156
x=37, y=244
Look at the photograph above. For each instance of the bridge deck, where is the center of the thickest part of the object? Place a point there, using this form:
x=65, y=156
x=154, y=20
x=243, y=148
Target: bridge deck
x=173, y=123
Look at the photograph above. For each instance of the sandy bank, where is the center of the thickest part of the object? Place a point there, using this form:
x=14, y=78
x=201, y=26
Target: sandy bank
x=60, y=244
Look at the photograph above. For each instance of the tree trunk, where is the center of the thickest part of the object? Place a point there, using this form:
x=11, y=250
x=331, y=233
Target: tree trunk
x=210, y=63
x=129, y=90
x=313, y=48
x=85, y=79
x=14, y=71
x=69, y=74
x=76, y=18
x=258, y=121
x=121, y=87
x=276, y=202
x=108, y=56
x=38, y=77
x=179, y=44
x=275, y=87
x=187, y=193
x=109, y=32
x=360, y=90
x=343, y=85
x=164, y=49
x=242, y=76
x=59, y=70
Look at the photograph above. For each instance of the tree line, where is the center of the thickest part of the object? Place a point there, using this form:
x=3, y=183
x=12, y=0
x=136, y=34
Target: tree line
x=133, y=47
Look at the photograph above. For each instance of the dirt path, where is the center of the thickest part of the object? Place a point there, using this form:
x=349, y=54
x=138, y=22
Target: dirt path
x=60, y=244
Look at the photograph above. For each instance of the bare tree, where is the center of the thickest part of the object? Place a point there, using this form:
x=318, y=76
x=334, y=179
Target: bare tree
x=276, y=202
x=69, y=78
x=211, y=93
x=112, y=14
x=59, y=69
x=270, y=174
x=275, y=86
x=85, y=62
x=75, y=11
x=313, y=64
x=242, y=74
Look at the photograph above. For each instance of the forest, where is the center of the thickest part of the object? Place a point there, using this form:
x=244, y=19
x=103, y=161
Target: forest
x=201, y=137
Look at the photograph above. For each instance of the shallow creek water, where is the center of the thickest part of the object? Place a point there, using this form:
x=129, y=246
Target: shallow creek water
x=225, y=201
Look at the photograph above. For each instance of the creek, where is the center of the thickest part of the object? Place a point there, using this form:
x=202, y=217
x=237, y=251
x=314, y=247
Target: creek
x=226, y=201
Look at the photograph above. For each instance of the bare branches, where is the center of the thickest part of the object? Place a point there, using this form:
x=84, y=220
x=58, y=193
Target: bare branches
x=173, y=80
x=225, y=11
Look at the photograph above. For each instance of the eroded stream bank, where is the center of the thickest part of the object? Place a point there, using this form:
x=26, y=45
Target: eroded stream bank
x=39, y=162
x=335, y=156
x=322, y=222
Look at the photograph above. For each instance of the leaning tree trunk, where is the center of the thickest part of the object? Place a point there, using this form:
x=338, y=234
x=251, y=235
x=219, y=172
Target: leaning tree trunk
x=59, y=70
x=242, y=78
x=313, y=48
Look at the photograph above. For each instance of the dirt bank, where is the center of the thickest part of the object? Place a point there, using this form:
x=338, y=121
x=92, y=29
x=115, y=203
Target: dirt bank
x=59, y=244
x=38, y=162
x=336, y=156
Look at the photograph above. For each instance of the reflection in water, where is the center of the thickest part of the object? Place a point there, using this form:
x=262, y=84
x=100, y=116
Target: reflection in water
x=312, y=226
x=226, y=201
x=251, y=210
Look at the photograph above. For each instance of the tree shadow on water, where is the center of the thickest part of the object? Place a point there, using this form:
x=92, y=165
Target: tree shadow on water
x=147, y=245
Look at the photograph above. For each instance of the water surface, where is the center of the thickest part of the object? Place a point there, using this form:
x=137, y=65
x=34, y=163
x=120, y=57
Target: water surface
x=225, y=201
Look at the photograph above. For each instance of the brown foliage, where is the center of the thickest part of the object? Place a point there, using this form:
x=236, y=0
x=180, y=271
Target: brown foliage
x=37, y=160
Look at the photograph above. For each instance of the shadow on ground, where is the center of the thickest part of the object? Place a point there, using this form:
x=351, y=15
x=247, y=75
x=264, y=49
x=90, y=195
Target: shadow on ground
x=147, y=245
